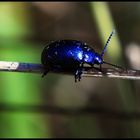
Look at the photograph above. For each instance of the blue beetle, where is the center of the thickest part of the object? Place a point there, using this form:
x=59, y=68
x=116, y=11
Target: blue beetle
x=71, y=55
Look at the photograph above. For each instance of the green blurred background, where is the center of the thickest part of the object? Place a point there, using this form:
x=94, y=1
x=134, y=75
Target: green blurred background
x=25, y=28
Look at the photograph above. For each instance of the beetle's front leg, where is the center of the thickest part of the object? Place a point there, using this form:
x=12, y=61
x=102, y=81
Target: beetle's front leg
x=78, y=74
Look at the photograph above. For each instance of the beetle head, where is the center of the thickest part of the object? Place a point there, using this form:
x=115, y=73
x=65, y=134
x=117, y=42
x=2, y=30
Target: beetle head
x=98, y=59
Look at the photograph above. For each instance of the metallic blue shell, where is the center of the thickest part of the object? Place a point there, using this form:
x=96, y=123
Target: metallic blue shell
x=68, y=54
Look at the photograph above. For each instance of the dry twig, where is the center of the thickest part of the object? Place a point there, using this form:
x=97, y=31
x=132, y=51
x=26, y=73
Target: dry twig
x=38, y=68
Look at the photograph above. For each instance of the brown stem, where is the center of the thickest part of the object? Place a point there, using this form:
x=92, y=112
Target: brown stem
x=88, y=72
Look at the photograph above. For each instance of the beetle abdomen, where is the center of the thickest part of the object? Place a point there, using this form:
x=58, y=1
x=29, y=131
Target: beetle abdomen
x=65, y=53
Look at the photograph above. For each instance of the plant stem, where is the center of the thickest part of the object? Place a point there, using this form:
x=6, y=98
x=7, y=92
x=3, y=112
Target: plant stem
x=88, y=72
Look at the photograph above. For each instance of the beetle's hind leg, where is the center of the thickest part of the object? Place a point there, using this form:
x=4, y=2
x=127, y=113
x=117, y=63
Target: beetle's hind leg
x=46, y=68
x=78, y=73
x=45, y=72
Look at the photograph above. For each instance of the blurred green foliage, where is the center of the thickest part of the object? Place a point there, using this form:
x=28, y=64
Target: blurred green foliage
x=18, y=88
x=25, y=28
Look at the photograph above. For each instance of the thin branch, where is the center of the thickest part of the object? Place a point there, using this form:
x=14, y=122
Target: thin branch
x=88, y=72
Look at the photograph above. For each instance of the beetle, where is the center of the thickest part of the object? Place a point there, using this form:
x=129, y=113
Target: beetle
x=71, y=55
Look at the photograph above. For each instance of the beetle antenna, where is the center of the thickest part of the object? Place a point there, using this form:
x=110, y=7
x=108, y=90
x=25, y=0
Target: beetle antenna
x=113, y=65
x=106, y=45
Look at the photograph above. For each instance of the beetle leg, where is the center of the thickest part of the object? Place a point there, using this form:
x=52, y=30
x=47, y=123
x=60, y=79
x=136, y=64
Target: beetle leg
x=45, y=73
x=78, y=73
x=101, y=70
x=79, y=70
